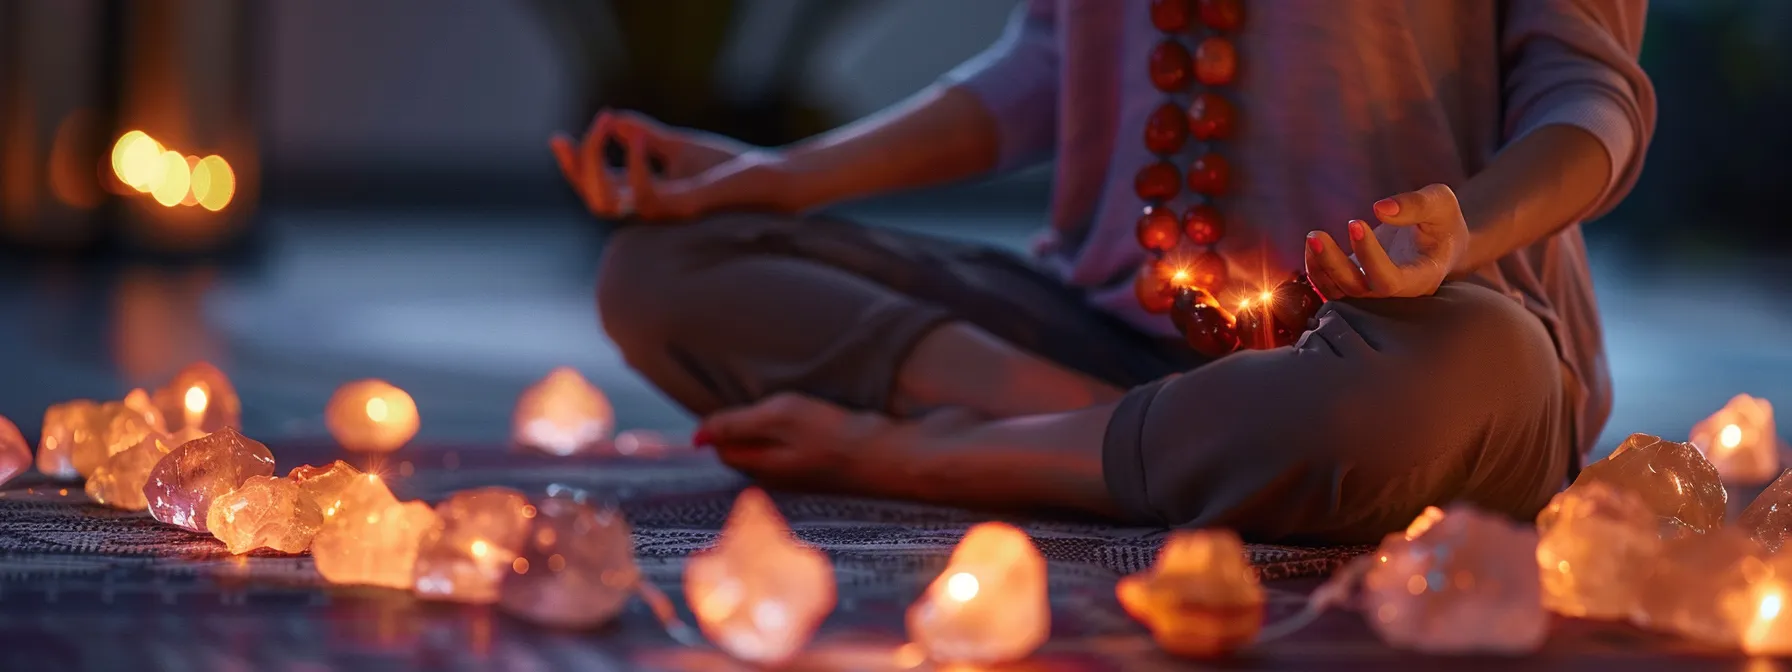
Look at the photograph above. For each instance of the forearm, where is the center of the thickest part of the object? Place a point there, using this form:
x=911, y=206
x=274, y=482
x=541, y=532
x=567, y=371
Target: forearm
x=938, y=135
x=1531, y=190
x=1048, y=461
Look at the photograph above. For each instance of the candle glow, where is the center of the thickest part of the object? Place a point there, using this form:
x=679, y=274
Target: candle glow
x=1740, y=440
x=371, y=416
x=989, y=606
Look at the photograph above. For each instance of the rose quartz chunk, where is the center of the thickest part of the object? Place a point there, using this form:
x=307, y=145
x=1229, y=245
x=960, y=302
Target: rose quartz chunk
x=122, y=427
x=15, y=454
x=1467, y=583
x=1201, y=598
x=1740, y=441
x=563, y=414
x=199, y=400
x=758, y=593
x=119, y=482
x=373, y=545
x=69, y=427
x=1768, y=519
x=1672, y=478
x=482, y=531
x=989, y=605
x=1691, y=579
x=265, y=512
x=326, y=485
x=1597, y=545
x=577, y=566
x=183, y=484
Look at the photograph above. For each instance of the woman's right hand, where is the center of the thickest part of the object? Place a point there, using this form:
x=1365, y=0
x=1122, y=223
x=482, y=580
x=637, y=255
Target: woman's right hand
x=703, y=172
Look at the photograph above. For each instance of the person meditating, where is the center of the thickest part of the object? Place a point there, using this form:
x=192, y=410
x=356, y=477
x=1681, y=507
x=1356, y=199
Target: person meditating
x=1425, y=163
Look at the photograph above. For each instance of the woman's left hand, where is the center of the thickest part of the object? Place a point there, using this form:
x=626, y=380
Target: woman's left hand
x=1421, y=239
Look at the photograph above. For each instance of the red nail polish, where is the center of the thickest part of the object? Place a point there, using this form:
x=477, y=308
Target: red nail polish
x=1313, y=242
x=702, y=438
x=1387, y=207
x=1357, y=230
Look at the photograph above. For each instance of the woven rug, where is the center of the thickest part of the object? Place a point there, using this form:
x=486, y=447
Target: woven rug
x=677, y=506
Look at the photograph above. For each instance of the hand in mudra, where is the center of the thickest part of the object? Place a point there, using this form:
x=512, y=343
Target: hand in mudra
x=702, y=172
x=1421, y=239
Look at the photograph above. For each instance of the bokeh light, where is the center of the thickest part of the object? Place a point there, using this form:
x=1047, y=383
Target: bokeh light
x=175, y=178
x=214, y=183
x=137, y=161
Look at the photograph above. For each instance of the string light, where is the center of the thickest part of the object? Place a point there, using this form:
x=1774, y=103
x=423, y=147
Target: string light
x=170, y=177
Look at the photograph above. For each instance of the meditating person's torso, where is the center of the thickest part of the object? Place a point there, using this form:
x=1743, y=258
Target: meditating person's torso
x=1338, y=103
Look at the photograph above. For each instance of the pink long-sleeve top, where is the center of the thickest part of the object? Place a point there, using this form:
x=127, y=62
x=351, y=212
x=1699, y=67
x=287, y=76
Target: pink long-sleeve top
x=1340, y=103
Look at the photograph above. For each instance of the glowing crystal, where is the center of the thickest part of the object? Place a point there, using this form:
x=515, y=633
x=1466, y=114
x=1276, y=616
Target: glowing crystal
x=563, y=414
x=1761, y=612
x=758, y=593
x=1673, y=479
x=183, y=484
x=325, y=485
x=264, y=512
x=199, y=400
x=1740, y=441
x=373, y=545
x=1768, y=519
x=15, y=454
x=482, y=531
x=577, y=567
x=119, y=482
x=989, y=605
x=1201, y=599
x=1466, y=584
x=371, y=416
x=69, y=427
x=121, y=426
x=1693, y=580
x=1596, y=548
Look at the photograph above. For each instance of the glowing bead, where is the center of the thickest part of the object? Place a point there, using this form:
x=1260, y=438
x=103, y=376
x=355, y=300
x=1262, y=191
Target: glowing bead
x=1172, y=16
x=1152, y=286
x=1157, y=229
x=1157, y=182
x=1203, y=225
x=1221, y=15
x=1205, y=328
x=1216, y=61
x=1210, y=117
x=1166, y=130
x=1210, y=174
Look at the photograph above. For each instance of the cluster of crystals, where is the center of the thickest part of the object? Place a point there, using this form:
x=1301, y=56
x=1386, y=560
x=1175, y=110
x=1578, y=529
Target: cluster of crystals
x=563, y=414
x=100, y=441
x=1741, y=441
x=989, y=605
x=1640, y=536
x=758, y=593
x=1460, y=581
x=181, y=485
x=81, y=435
x=371, y=416
x=1201, y=599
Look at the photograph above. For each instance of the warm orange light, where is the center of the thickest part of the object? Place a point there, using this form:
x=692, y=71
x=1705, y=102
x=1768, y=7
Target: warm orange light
x=563, y=414
x=371, y=416
x=189, y=199
x=1180, y=277
x=195, y=399
x=137, y=161
x=214, y=183
x=759, y=593
x=1266, y=296
x=1740, y=440
x=1201, y=598
x=376, y=409
x=1730, y=437
x=175, y=177
x=1426, y=519
x=962, y=586
x=989, y=606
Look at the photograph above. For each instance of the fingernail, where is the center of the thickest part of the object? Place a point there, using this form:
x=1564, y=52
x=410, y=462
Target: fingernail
x=702, y=438
x=1357, y=230
x=1387, y=207
x=1313, y=242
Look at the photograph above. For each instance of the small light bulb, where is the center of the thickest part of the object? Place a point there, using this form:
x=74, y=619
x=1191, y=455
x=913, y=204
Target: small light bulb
x=1730, y=437
x=195, y=399
x=962, y=587
x=1770, y=607
x=480, y=548
x=376, y=409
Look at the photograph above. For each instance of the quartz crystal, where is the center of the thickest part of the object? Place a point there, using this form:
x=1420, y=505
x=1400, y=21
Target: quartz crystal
x=1201, y=599
x=183, y=484
x=758, y=593
x=199, y=400
x=371, y=416
x=1596, y=548
x=121, y=427
x=264, y=512
x=563, y=414
x=1466, y=583
x=1672, y=478
x=1760, y=610
x=482, y=532
x=1692, y=582
x=69, y=427
x=15, y=454
x=577, y=566
x=1768, y=519
x=1740, y=441
x=989, y=605
x=119, y=482
x=374, y=545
